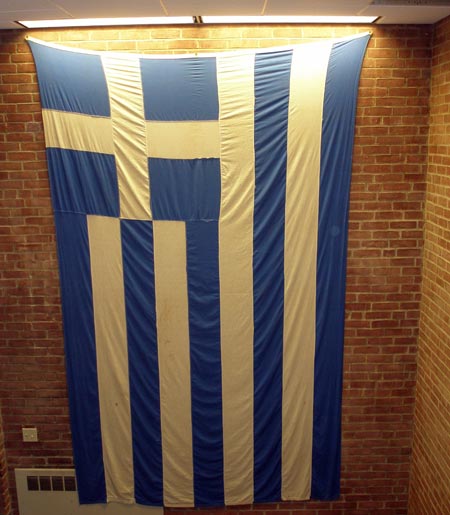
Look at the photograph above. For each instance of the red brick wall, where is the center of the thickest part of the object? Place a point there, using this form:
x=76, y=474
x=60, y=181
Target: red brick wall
x=385, y=243
x=5, y=498
x=430, y=471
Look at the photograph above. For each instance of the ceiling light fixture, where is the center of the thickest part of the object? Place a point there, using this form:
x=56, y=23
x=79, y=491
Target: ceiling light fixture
x=176, y=20
x=289, y=19
x=102, y=22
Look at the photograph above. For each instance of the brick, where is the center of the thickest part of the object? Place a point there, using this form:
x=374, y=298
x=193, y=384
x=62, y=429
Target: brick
x=430, y=464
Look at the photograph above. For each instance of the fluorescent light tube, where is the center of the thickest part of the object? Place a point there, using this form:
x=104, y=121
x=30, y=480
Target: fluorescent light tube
x=288, y=19
x=175, y=20
x=96, y=22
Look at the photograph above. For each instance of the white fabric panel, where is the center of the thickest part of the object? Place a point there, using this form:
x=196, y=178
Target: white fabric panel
x=112, y=356
x=308, y=76
x=123, y=76
x=172, y=321
x=236, y=100
x=183, y=140
x=73, y=131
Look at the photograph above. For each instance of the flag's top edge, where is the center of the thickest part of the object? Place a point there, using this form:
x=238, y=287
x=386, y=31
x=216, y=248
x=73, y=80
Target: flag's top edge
x=247, y=51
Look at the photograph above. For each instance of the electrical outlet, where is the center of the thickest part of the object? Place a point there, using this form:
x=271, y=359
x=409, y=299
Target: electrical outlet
x=29, y=434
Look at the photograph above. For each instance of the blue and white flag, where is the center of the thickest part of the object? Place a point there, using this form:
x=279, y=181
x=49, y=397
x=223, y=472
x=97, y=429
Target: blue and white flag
x=201, y=207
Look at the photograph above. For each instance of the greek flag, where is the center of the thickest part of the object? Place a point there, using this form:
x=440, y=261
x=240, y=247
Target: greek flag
x=201, y=207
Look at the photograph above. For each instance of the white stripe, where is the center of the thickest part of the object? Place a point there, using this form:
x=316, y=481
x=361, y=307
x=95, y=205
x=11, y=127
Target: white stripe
x=308, y=74
x=236, y=99
x=112, y=356
x=75, y=131
x=123, y=76
x=172, y=321
x=183, y=140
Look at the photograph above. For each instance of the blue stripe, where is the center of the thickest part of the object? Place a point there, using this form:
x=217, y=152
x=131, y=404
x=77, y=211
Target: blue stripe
x=81, y=359
x=83, y=182
x=206, y=374
x=180, y=89
x=139, y=279
x=338, y=127
x=185, y=189
x=71, y=81
x=272, y=78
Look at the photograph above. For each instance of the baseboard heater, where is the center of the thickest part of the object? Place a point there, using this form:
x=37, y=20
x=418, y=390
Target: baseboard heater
x=54, y=492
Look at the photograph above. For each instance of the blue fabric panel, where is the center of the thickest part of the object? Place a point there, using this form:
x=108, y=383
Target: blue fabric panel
x=336, y=154
x=81, y=359
x=83, y=182
x=272, y=78
x=185, y=189
x=202, y=243
x=71, y=81
x=180, y=89
x=139, y=280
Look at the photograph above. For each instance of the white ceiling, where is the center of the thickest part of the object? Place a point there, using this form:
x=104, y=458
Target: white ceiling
x=389, y=11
